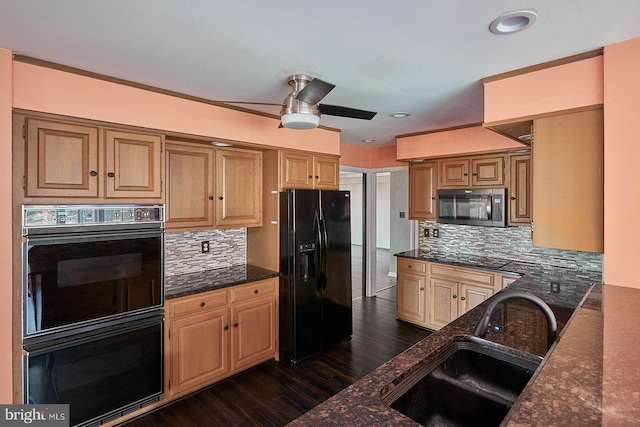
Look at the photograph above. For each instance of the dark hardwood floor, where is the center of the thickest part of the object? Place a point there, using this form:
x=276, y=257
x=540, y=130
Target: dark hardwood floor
x=275, y=393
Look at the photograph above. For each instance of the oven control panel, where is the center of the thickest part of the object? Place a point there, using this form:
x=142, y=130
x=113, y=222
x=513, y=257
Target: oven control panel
x=75, y=215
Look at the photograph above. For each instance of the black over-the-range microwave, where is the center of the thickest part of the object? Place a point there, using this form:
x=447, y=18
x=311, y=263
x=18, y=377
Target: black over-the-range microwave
x=473, y=206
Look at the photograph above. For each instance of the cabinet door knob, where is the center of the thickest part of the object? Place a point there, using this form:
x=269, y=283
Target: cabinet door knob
x=255, y=291
x=466, y=174
x=474, y=174
x=202, y=304
x=235, y=325
x=226, y=327
x=422, y=289
x=513, y=197
x=462, y=298
x=410, y=266
x=433, y=198
x=111, y=174
x=210, y=197
x=220, y=198
x=317, y=177
x=455, y=296
x=93, y=173
x=310, y=176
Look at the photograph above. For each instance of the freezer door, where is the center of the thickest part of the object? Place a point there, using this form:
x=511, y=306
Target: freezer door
x=300, y=296
x=336, y=247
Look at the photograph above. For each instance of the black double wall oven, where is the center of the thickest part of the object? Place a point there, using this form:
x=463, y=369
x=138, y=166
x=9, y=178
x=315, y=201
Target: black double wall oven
x=92, y=308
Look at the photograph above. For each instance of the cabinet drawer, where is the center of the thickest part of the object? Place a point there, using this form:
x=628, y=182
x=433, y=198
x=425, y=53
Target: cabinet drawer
x=463, y=274
x=253, y=290
x=411, y=266
x=197, y=303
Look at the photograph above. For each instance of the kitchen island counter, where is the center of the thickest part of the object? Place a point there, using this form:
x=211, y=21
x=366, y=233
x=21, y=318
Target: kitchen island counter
x=565, y=390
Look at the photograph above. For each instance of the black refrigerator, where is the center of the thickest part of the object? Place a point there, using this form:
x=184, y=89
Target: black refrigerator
x=315, y=262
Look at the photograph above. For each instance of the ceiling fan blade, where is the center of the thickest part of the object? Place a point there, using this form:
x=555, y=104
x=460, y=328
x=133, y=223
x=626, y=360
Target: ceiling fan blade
x=336, y=110
x=248, y=103
x=314, y=91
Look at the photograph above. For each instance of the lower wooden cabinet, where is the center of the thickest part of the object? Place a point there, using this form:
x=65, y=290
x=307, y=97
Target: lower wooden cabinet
x=215, y=334
x=433, y=295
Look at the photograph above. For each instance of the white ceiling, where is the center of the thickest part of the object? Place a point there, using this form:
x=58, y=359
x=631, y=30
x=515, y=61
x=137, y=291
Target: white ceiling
x=425, y=57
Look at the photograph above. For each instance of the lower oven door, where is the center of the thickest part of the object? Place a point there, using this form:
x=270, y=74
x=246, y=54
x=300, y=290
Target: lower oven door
x=102, y=374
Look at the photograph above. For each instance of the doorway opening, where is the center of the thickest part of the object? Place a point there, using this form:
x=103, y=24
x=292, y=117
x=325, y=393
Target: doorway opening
x=379, y=228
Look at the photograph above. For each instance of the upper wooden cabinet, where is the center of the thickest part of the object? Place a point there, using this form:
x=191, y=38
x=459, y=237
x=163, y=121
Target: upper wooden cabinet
x=238, y=187
x=423, y=184
x=306, y=171
x=68, y=160
x=189, y=185
x=133, y=162
x=568, y=181
x=62, y=159
x=520, y=176
x=472, y=172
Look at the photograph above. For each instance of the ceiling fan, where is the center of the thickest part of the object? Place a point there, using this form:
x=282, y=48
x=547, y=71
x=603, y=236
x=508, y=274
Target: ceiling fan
x=300, y=109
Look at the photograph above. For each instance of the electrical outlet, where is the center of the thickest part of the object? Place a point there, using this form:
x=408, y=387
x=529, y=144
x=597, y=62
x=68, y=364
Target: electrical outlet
x=554, y=287
x=426, y=232
x=204, y=246
x=436, y=232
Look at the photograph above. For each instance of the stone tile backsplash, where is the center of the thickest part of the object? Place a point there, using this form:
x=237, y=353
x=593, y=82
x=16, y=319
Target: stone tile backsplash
x=511, y=243
x=183, y=254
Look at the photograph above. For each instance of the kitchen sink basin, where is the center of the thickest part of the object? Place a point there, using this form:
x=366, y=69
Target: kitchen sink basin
x=472, y=382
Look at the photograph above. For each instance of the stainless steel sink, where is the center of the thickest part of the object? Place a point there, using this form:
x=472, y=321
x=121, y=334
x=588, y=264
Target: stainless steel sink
x=471, y=382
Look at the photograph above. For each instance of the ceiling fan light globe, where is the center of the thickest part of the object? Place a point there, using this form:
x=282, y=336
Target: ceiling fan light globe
x=300, y=121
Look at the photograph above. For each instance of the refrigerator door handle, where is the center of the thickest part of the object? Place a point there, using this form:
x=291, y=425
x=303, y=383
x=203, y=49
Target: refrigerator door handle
x=323, y=249
x=317, y=225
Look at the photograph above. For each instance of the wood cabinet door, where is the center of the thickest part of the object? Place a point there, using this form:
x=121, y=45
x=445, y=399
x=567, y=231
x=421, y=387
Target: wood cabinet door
x=326, y=173
x=411, y=298
x=238, y=187
x=189, y=186
x=253, y=332
x=199, y=350
x=444, y=302
x=454, y=173
x=568, y=182
x=471, y=296
x=62, y=159
x=296, y=170
x=520, y=189
x=423, y=185
x=487, y=172
x=134, y=164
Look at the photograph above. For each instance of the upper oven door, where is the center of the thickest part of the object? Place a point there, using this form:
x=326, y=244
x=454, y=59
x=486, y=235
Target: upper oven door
x=72, y=279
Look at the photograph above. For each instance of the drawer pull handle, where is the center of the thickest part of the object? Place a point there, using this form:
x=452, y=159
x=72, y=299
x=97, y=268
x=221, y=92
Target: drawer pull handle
x=202, y=304
x=410, y=266
x=255, y=291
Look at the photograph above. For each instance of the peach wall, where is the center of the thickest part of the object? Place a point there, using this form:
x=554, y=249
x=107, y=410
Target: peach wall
x=454, y=142
x=385, y=157
x=6, y=293
x=53, y=91
x=621, y=157
x=369, y=158
x=354, y=156
x=568, y=86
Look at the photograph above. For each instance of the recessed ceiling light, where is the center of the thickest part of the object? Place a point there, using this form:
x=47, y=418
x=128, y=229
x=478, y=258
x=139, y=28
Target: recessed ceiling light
x=399, y=115
x=222, y=144
x=368, y=140
x=512, y=22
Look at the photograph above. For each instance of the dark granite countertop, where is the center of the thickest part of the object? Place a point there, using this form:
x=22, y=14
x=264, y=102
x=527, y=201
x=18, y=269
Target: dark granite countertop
x=566, y=388
x=192, y=283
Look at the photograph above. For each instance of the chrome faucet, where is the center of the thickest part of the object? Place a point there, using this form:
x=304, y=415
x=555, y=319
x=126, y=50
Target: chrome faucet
x=483, y=323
